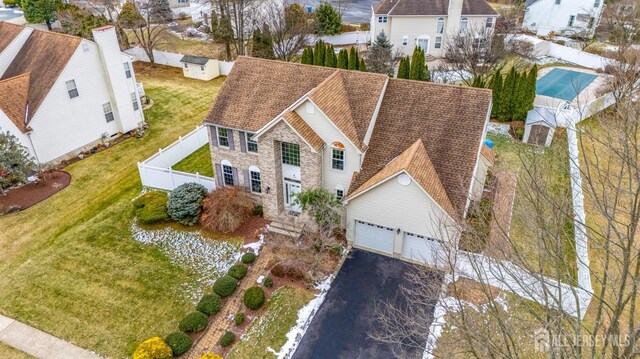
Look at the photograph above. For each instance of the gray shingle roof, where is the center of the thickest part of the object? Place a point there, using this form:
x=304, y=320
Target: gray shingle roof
x=191, y=59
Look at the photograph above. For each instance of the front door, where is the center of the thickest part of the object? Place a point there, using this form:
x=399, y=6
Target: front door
x=290, y=191
x=423, y=43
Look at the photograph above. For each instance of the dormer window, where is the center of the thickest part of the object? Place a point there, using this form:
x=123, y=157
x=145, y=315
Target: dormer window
x=337, y=156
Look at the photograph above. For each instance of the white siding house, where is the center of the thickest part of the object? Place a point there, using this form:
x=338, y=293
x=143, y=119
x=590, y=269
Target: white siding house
x=566, y=17
x=76, y=93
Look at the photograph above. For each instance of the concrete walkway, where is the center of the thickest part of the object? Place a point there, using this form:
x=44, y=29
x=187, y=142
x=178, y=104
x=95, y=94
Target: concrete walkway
x=38, y=343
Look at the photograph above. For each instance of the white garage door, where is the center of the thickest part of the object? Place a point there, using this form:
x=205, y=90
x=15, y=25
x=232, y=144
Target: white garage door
x=375, y=237
x=421, y=248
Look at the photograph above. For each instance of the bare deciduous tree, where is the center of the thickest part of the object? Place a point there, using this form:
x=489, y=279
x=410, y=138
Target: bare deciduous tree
x=147, y=24
x=289, y=36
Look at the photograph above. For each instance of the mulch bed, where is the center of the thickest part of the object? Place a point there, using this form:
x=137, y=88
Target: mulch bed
x=33, y=193
x=251, y=228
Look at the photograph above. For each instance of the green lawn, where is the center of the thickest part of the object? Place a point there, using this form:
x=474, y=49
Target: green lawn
x=69, y=265
x=199, y=161
x=271, y=327
x=11, y=353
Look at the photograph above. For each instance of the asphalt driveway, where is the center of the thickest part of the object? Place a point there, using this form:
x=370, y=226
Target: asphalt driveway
x=339, y=329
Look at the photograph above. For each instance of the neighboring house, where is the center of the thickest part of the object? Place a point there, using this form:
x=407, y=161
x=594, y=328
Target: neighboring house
x=565, y=17
x=200, y=68
x=176, y=4
x=402, y=155
x=411, y=23
x=61, y=94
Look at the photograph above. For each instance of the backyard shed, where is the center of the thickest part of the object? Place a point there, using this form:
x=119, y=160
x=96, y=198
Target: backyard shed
x=540, y=127
x=200, y=68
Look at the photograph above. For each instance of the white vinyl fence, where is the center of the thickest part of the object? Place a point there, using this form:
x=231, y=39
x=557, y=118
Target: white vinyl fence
x=156, y=170
x=172, y=59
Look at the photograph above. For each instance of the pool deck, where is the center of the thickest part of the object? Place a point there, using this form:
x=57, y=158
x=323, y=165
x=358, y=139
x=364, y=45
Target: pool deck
x=588, y=94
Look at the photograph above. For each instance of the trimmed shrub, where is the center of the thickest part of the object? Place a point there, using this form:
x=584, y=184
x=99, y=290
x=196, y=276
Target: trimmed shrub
x=210, y=304
x=225, y=209
x=258, y=211
x=193, y=322
x=179, y=342
x=254, y=298
x=151, y=207
x=239, y=318
x=248, y=257
x=185, y=203
x=238, y=271
x=211, y=356
x=153, y=348
x=336, y=251
x=267, y=282
x=225, y=286
x=227, y=339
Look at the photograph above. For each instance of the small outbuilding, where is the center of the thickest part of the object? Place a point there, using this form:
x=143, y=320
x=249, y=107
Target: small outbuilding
x=540, y=127
x=200, y=68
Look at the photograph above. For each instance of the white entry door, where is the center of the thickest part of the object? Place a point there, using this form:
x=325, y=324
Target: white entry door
x=373, y=236
x=423, y=43
x=422, y=249
x=290, y=191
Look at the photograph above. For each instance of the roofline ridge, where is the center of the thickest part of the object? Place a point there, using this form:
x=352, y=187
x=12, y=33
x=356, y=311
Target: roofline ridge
x=28, y=73
x=429, y=83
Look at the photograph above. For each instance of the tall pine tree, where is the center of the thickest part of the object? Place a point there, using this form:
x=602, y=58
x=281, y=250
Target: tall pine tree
x=318, y=58
x=507, y=94
x=363, y=66
x=403, y=68
x=353, y=59
x=496, y=87
x=418, y=69
x=329, y=56
x=343, y=59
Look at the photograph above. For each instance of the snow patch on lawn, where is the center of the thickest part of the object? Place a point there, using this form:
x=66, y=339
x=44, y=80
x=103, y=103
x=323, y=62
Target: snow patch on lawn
x=205, y=258
x=255, y=246
x=305, y=316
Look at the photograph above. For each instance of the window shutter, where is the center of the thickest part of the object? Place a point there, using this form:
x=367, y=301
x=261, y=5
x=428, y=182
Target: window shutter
x=218, y=175
x=214, y=136
x=235, y=176
x=230, y=134
x=243, y=141
x=247, y=180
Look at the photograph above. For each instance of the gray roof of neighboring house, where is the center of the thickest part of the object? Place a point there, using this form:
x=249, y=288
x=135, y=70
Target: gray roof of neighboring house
x=198, y=60
x=430, y=7
x=529, y=2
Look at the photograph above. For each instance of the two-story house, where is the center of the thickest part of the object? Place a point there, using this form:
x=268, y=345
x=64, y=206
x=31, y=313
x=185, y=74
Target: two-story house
x=61, y=94
x=411, y=23
x=566, y=17
x=402, y=155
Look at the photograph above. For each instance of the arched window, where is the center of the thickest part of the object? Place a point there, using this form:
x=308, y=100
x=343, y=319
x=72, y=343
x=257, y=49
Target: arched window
x=337, y=156
x=227, y=173
x=440, y=26
x=255, y=182
x=464, y=23
x=339, y=192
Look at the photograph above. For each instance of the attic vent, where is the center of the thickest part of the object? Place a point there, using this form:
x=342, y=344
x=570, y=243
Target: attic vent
x=85, y=47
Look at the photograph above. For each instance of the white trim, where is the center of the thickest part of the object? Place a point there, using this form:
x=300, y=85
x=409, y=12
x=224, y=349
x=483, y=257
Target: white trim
x=218, y=137
x=374, y=118
x=475, y=167
x=336, y=127
x=246, y=141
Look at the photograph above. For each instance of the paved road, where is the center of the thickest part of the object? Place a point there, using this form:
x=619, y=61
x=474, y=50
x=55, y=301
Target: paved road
x=339, y=329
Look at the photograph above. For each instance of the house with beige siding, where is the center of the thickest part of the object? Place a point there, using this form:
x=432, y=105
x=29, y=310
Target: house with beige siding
x=61, y=94
x=411, y=23
x=403, y=156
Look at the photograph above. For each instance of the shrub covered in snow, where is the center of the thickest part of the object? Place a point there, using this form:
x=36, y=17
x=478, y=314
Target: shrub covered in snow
x=193, y=322
x=225, y=286
x=151, y=207
x=227, y=339
x=239, y=318
x=185, y=203
x=238, y=271
x=210, y=304
x=248, y=257
x=225, y=209
x=179, y=342
x=254, y=298
x=153, y=348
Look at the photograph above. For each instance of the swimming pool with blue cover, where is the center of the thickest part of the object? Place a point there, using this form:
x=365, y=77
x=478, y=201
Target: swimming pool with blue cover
x=563, y=84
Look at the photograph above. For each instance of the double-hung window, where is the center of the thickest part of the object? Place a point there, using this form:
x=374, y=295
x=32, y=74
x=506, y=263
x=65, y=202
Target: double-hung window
x=489, y=23
x=223, y=137
x=339, y=193
x=290, y=154
x=337, y=159
x=127, y=70
x=252, y=145
x=438, y=43
x=256, y=186
x=227, y=175
x=440, y=26
x=72, y=89
x=134, y=100
x=382, y=19
x=108, y=112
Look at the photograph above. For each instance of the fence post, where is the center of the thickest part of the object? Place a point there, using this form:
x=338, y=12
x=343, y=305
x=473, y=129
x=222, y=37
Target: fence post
x=173, y=185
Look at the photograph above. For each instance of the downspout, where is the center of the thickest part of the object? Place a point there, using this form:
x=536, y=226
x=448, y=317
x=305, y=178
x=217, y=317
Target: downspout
x=26, y=116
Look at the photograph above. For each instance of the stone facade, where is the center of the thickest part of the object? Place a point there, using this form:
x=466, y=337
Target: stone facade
x=268, y=160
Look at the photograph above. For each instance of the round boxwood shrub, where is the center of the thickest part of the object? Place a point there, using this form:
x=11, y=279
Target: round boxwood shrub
x=151, y=207
x=210, y=304
x=227, y=339
x=179, y=342
x=193, y=322
x=185, y=203
x=239, y=318
x=225, y=286
x=267, y=282
x=254, y=298
x=248, y=257
x=211, y=356
x=238, y=271
x=153, y=348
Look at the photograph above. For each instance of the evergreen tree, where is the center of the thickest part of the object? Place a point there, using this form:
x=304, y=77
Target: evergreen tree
x=363, y=66
x=380, y=56
x=318, y=59
x=478, y=82
x=328, y=20
x=521, y=96
x=38, y=11
x=403, y=68
x=427, y=73
x=532, y=78
x=418, y=69
x=496, y=87
x=508, y=88
x=343, y=59
x=160, y=11
x=262, y=43
x=306, y=57
x=15, y=162
x=329, y=56
x=353, y=59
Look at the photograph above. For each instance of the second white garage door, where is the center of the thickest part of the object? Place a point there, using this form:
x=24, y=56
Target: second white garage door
x=373, y=236
x=422, y=249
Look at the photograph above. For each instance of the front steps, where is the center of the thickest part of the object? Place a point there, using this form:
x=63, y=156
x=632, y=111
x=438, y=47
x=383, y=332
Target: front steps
x=288, y=224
